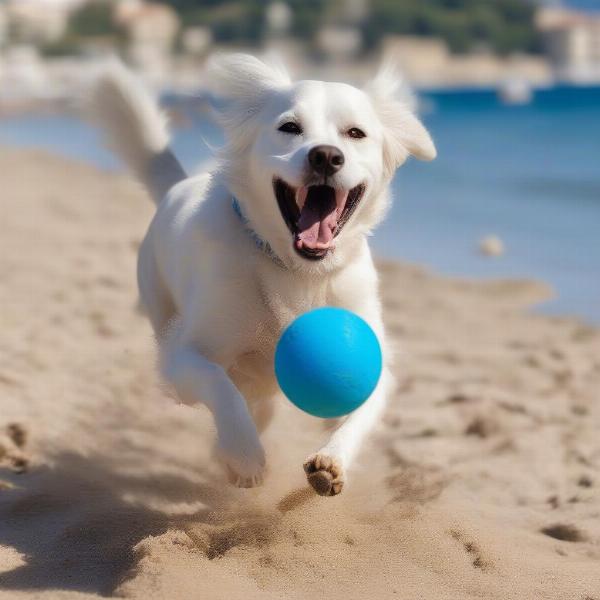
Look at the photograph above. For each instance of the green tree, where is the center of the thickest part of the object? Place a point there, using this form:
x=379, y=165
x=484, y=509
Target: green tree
x=503, y=25
x=229, y=21
x=90, y=21
x=93, y=20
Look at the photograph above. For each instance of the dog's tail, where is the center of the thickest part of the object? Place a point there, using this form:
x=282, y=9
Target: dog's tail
x=134, y=127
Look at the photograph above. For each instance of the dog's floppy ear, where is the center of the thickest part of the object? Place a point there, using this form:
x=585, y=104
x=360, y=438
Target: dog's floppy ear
x=404, y=133
x=240, y=83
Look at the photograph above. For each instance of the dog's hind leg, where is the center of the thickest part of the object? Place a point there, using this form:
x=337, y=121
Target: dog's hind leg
x=200, y=381
x=253, y=377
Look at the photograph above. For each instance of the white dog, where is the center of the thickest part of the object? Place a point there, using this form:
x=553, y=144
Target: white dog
x=278, y=229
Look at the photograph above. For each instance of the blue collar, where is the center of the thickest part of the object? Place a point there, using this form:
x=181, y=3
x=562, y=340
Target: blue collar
x=258, y=241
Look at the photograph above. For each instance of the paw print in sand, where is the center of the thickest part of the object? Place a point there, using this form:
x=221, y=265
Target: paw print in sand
x=13, y=439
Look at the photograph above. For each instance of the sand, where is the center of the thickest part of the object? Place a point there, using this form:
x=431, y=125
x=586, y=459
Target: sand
x=482, y=480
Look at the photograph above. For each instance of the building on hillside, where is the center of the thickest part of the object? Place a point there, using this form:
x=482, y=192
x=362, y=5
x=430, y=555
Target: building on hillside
x=38, y=21
x=151, y=29
x=148, y=23
x=3, y=26
x=420, y=58
x=22, y=76
x=426, y=61
x=339, y=43
x=572, y=42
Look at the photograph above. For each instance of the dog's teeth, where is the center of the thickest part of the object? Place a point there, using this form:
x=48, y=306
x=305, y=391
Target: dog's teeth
x=341, y=196
x=301, y=196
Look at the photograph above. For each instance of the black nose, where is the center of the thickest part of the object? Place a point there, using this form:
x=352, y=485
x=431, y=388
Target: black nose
x=325, y=160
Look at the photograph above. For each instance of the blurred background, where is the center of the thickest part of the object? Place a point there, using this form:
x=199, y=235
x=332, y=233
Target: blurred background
x=510, y=90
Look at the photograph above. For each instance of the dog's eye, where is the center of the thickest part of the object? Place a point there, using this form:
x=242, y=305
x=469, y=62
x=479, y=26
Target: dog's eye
x=355, y=132
x=291, y=127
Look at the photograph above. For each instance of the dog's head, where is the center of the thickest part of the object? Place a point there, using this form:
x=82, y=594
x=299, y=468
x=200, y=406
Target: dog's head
x=310, y=161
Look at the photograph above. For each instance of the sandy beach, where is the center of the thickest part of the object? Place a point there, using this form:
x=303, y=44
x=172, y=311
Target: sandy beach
x=482, y=481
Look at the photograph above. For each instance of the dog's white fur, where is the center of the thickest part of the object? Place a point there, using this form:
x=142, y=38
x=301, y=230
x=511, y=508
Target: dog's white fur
x=217, y=302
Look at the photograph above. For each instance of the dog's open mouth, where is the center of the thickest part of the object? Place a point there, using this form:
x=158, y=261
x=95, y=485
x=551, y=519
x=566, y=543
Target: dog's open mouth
x=315, y=214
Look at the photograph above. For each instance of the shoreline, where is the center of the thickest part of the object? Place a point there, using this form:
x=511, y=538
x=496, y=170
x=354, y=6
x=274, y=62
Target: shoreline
x=63, y=105
x=551, y=295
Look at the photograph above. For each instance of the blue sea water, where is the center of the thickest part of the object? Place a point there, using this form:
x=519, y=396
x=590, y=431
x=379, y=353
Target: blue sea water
x=528, y=174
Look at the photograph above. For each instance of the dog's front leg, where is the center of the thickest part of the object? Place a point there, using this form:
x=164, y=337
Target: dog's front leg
x=197, y=380
x=326, y=469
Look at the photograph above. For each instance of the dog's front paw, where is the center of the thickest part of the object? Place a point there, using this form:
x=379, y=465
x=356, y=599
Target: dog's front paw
x=325, y=474
x=245, y=469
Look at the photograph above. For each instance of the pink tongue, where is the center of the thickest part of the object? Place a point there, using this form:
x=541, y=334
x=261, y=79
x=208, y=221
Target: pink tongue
x=317, y=224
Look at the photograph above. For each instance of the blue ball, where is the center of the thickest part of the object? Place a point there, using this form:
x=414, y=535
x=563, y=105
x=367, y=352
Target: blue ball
x=328, y=362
